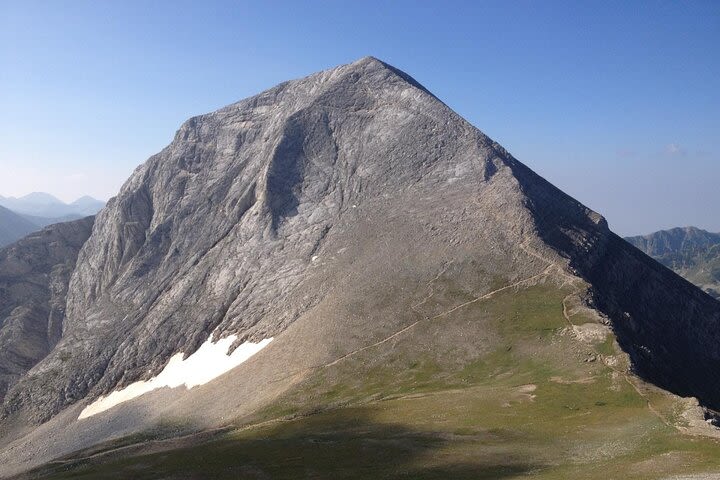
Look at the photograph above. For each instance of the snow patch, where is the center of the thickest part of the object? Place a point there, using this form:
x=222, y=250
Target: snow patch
x=209, y=362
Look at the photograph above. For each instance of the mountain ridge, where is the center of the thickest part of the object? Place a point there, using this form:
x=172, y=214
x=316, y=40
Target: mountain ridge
x=47, y=206
x=13, y=226
x=337, y=214
x=691, y=252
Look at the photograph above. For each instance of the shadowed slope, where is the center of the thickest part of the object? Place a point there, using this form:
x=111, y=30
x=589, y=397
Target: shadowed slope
x=13, y=227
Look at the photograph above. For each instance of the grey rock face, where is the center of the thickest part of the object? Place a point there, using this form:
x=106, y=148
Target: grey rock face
x=34, y=275
x=217, y=231
x=240, y=224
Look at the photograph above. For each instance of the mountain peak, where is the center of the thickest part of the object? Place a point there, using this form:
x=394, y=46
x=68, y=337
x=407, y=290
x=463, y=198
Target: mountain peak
x=87, y=199
x=368, y=59
x=373, y=64
x=41, y=198
x=351, y=217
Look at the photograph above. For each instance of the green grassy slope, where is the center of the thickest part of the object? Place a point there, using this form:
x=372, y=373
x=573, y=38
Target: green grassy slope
x=500, y=388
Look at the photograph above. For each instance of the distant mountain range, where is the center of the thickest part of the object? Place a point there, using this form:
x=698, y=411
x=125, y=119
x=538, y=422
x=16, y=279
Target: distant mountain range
x=13, y=226
x=23, y=215
x=691, y=252
x=39, y=204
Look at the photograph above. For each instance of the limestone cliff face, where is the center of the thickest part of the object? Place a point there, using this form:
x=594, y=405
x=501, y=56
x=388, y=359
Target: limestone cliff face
x=34, y=276
x=260, y=211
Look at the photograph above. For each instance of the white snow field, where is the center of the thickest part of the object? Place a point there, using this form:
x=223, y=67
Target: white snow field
x=210, y=361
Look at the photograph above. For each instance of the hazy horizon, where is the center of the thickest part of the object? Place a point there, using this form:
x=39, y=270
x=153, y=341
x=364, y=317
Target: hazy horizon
x=617, y=106
x=64, y=200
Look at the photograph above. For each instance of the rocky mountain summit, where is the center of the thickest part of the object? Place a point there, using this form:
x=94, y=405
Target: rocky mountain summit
x=691, y=252
x=341, y=215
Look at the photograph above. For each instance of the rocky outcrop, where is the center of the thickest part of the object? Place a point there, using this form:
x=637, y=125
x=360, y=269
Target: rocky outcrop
x=34, y=277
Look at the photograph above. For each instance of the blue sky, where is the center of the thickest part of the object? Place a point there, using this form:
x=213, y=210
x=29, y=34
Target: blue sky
x=617, y=103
